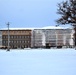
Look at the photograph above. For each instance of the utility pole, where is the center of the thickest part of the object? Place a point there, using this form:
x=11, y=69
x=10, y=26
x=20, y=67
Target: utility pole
x=8, y=49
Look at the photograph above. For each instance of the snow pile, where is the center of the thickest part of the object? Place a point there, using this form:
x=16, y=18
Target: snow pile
x=38, y=62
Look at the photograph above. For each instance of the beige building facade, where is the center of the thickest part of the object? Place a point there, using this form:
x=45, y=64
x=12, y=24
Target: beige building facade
x=17, y=38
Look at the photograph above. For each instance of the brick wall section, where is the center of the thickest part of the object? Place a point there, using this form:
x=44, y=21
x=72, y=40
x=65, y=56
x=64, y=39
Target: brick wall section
x=18, y=38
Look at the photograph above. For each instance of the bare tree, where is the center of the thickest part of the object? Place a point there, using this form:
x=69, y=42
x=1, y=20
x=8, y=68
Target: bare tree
x=67, y=11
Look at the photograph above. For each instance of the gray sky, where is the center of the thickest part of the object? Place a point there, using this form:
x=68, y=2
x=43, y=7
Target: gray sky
x=28, y=13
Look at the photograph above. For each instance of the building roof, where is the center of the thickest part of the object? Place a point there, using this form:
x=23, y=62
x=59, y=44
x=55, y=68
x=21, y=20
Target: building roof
x=47, y=27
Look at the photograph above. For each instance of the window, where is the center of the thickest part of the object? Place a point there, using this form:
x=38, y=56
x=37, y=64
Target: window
x=23, y=37
x=5, y=41
x=0, y=37
x=11, y=36
x=20, y=41
x=16, y=36
x=23, y=41
x=28, y=41
x=4, y=37
x=20, y=37
x=12, y=41
x=17, y=41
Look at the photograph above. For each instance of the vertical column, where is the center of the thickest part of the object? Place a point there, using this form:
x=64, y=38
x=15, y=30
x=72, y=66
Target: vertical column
x=56, y=37
x=32, y=40
x=71, y=41
x=64, y=39
x=43, y=39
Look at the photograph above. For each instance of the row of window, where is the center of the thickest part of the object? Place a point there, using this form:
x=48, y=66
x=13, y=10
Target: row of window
x=52, y=36
x=51, y=44
x=18, y=41
x=18, y=46
x=15, y=37
x=17, y=31
x=67, y=31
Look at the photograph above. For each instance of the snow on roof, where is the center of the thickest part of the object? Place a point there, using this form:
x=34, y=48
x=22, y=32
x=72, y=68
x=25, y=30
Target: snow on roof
x=18, y=29
x=56, y=27
x=51, y=27
x=47, y=27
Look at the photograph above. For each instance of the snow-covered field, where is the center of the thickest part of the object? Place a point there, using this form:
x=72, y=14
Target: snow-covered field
x=38, y=62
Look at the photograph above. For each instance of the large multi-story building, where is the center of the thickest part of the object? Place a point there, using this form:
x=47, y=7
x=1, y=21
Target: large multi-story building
x=52, y=37
x=36, y=38
x=17, y=38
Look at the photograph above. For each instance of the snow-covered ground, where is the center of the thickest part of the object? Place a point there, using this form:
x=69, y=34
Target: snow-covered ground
x=38, y=62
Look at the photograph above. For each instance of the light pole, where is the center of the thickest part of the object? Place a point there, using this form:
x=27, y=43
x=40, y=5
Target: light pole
x=8, y=49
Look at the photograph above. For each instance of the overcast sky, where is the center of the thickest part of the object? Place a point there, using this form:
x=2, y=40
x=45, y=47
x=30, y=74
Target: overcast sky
x=28, y=13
